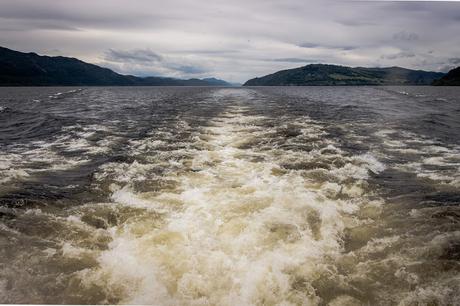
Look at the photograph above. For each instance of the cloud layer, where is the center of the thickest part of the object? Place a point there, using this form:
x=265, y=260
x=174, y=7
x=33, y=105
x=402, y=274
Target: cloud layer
x=234, y=40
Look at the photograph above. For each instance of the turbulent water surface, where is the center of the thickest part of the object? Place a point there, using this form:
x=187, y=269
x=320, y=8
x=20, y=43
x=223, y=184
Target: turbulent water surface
x=230, y=196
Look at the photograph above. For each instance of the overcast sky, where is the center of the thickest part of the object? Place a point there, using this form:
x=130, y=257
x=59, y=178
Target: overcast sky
x=235, y=40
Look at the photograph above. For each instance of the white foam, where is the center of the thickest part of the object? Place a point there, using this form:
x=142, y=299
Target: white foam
x=17, y=164
x=8, y=169
x=427, y=156
x=234, y=232
x=127, y=197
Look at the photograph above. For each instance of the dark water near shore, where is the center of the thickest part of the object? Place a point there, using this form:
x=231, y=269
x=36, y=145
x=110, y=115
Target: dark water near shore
x=230, y=196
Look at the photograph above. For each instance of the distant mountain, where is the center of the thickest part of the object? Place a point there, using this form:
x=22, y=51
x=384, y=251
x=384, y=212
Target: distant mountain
x=216, y=82
x=31, y=69
x=321, y=74
x=452, y=78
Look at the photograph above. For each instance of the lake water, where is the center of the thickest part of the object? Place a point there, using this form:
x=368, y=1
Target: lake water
x=230, y=196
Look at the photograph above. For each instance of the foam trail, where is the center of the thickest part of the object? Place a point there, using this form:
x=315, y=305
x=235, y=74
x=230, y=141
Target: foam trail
x=241, y=230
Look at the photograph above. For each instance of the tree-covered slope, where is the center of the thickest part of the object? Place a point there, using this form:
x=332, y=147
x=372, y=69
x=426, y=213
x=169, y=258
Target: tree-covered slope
x=320, y=74
x=31, y=69
x=452, y=78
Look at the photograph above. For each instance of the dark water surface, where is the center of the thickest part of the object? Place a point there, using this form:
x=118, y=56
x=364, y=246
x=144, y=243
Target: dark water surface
x=230, y=196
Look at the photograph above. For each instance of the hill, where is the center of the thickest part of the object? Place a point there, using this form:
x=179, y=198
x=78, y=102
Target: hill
x=452, y=78
x=321, y=74
x=31, y=69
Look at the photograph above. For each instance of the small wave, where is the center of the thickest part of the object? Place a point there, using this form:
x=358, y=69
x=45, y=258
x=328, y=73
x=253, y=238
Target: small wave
x=60, y=95
x=429, y=160
x=56, y=95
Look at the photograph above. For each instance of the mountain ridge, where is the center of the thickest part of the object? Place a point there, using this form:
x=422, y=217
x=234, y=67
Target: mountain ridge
x=330, y=75
x=30, y=69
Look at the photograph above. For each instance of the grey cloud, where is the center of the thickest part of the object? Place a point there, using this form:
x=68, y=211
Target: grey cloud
x=33, y=25
x=87, y=14
x=446, y=68
x=137, y=55
x=310, y=45
x=217, y=52
x=294, y=60
x=405, y=36
x=54, y=26
x=356, y=23
x=451, y=64
x=402, y=54
x=145, y=62
x=191, y=69
x=347, y=48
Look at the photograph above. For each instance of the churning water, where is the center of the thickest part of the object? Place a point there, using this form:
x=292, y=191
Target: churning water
x=230, y=196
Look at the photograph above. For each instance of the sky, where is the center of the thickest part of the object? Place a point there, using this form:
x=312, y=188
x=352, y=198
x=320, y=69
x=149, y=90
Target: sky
x=235, y=40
